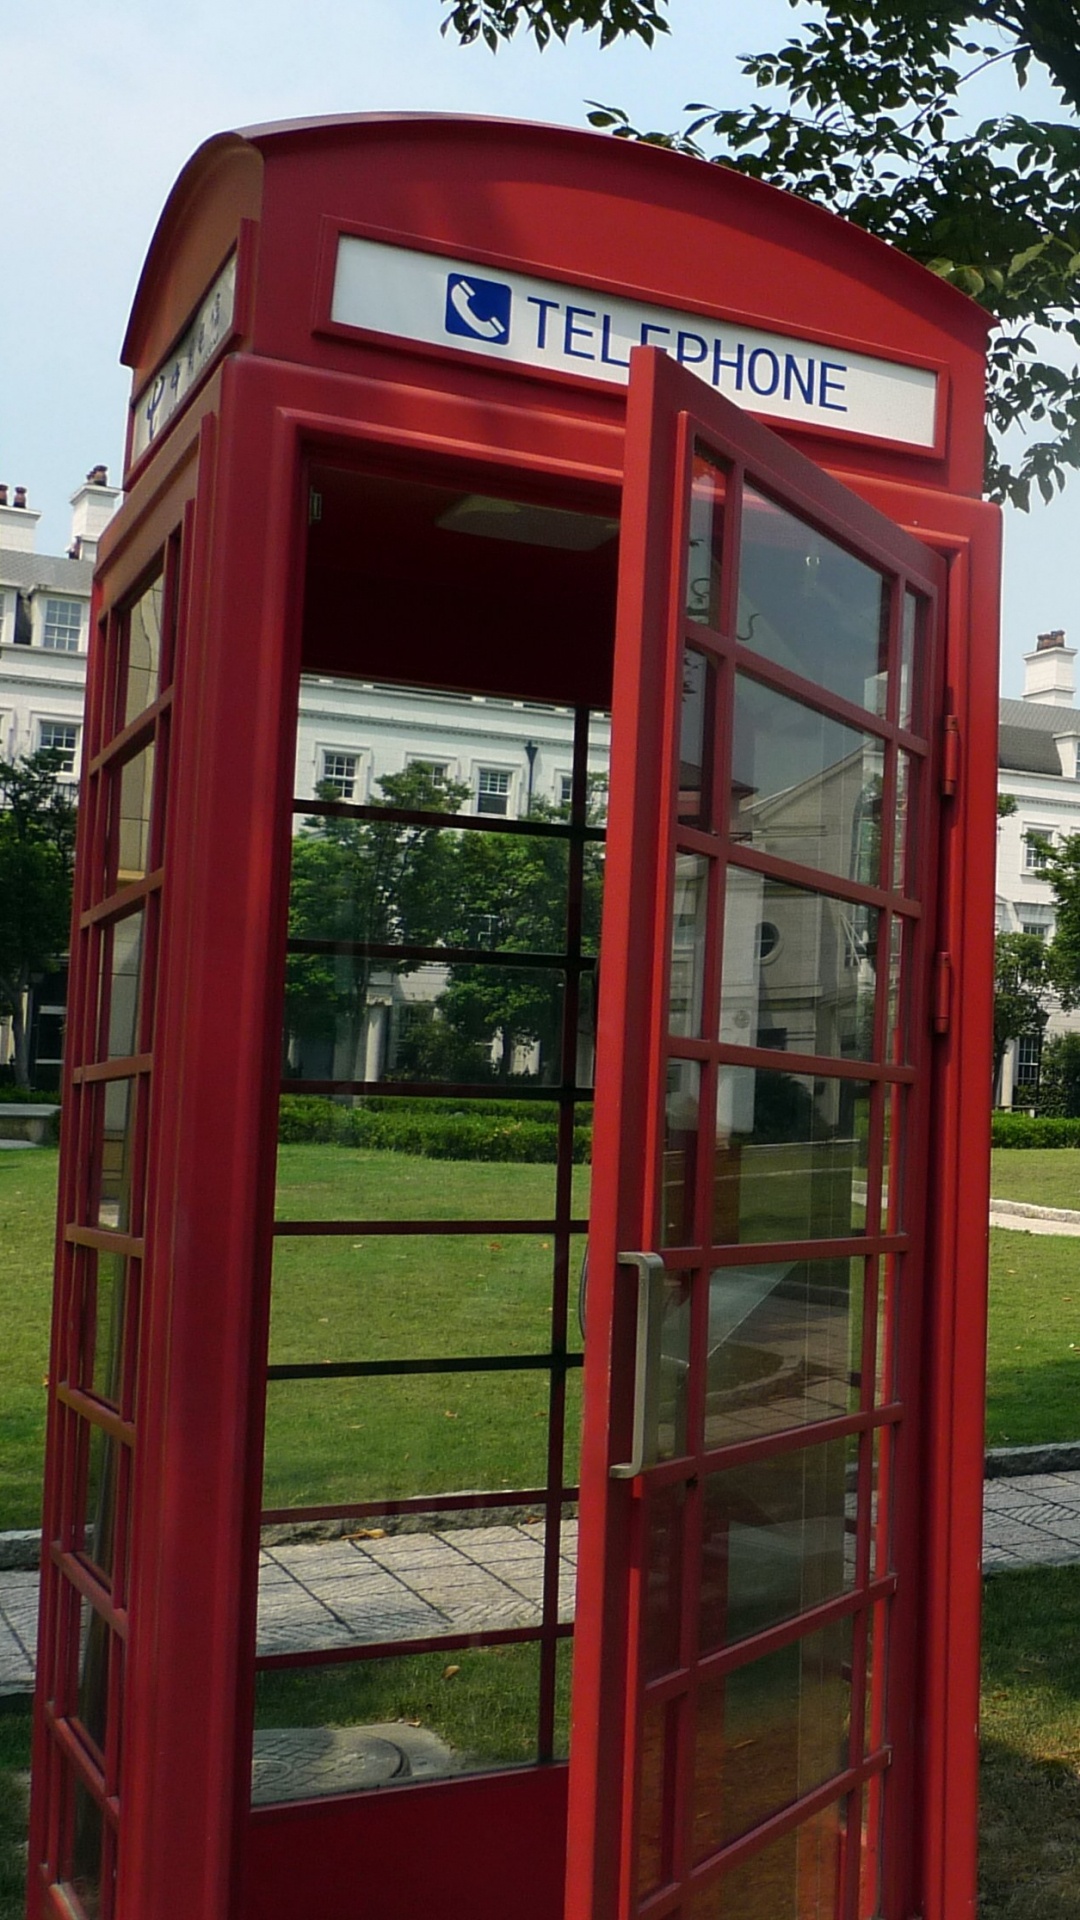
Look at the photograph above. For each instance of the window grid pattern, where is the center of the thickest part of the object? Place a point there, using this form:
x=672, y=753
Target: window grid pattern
x=62, y=738
x=699, y=1660
x=94, y=1373
x=62, y=628
x=339, y=774
x=557, y=1362
x=493, y=791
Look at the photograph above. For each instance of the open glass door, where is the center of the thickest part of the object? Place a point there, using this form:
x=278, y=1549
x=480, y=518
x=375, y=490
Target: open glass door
x=744, y=1703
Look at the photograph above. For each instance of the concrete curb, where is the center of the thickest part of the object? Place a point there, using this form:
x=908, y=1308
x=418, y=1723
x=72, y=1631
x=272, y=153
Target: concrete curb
x=1025, y=1211
x=1012, y=1463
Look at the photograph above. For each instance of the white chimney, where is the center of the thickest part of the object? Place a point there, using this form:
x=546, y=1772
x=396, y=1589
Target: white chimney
x=1049, y=680
x=18, y=522
x=92, y=507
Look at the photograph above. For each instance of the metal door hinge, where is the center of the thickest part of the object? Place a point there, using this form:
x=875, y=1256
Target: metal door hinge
x=649, y=1269
x=314, y=506
x=942, y=998
x=950, y=755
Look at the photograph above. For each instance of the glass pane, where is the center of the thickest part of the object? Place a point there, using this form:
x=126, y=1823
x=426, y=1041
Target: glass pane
x=117, y=1133
x=889, y=1297
x=96, y=1537
x=796, y=1878
x=912, y=666
x=876, y=1679
x=95, y=1642
x=390, y=1159
x=800, y=969
x=412, y=1577
x=663, y=1578
x=705, y=544
x=336, y=1298
x=897, y=1039
x=103, y=1324
x=132, y=795
x=881, y=1503
x=351, y=1018
x=870, y=1849
x=893, y=1210
x=654, y=1841
x=783, y=1346
x=768, y=1733
x=674, y=1370
x=697, y=727
x=811, y=607
x=680, y=1151
x=392, y=1436
x=390, y=1722
x=125, y=979
x=774, y=1541
x=904, y=869
x=791, y=1156
x=80, y=1862
x=144, y=651
x=805, y=787
x=688, y=931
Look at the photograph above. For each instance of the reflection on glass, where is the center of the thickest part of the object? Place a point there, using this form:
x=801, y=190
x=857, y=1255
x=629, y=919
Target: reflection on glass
x=800, y=969
x=767, y=1733
x=117, y=1137
x=93, y=1696
x=870, y=1847
x=881, y=1504
x=912, y=643
x=889, y=1299
x=892, y=1168
x=876, y=1673
x=653, y=1762
x=705, y=542
x=132, y=794
x=795, y=1878
x=339, y=1298
x=126, y=969
x=389, y=1436
x=773, y=1541
x=681, y=1114
x=144, y=651
x=352, y=1018
x=84, y=1832
x=696, y=733
x=689, y=923
x=897, y=1037
x=903, y=867
x=97, y=1534
x=663, y=1562
x=805, y=787
x=393, y=1722
x=790, y=1156
x=810, y=607
x=103, y=1324
x=674, y=1368
x=783, y=1346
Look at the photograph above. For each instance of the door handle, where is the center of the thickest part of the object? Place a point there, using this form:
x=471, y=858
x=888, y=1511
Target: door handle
x=649, y=1268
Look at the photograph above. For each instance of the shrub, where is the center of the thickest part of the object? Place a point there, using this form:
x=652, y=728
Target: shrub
x=1022, y=1130
x=433, y=1129
x=1059, y=1076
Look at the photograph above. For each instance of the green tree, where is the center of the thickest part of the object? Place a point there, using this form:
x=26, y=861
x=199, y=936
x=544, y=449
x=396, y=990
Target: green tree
x=1022, y=989
x=357, y=884
x=864, y=114
x=37, y=848
x=1059, y=1076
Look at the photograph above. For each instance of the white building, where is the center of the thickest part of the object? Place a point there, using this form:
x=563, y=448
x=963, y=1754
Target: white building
x=1038, y=768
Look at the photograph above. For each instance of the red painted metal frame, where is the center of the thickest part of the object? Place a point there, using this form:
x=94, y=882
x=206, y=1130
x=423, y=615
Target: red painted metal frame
x=601, y=1853
x=229, y=470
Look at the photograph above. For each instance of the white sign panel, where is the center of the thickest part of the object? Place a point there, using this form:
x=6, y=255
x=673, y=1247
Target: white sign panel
x=174, y=379
x=543, y=323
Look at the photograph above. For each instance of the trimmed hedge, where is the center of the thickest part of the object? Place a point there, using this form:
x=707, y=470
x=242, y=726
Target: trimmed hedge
x=434, y=1130
x=1022, y=1130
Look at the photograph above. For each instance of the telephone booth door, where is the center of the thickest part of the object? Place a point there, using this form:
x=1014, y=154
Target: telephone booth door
x=743, y=1718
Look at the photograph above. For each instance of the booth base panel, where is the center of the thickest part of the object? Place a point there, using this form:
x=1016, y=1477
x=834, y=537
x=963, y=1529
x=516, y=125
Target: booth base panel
x=476, y=1849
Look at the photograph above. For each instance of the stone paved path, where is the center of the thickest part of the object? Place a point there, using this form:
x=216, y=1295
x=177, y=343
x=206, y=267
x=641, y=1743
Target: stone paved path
x=420, y=1585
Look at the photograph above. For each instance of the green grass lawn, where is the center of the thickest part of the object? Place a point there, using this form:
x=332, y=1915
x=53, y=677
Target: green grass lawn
x=27, y=1226
x=1044, y=1176
x=14, y=1762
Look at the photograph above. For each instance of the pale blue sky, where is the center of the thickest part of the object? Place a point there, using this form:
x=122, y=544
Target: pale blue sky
x=104, y=102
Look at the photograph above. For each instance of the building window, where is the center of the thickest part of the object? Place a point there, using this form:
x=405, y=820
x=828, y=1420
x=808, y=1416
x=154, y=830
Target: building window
x=1039, y=928
x=61, y=738
x=339, y=775
x=63, y=625
x=493, y=791
x=1035, y=848
x=436, y=770
x=1028, y=1057
x=566, y=789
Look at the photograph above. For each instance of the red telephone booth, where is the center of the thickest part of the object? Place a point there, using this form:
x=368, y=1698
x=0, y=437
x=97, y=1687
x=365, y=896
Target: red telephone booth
x=458, y=451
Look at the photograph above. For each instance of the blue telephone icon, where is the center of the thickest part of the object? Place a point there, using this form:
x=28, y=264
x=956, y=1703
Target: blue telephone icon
x=478, y=309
